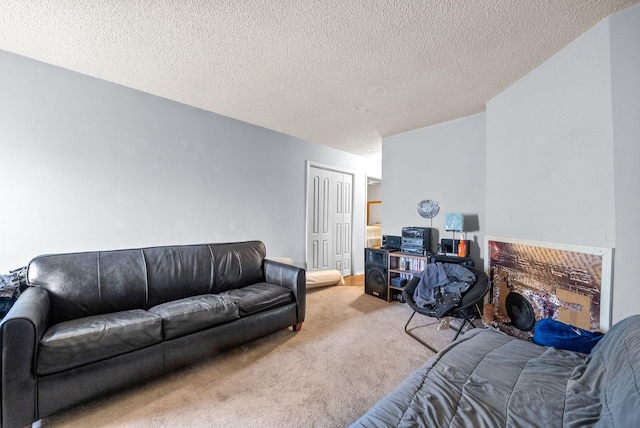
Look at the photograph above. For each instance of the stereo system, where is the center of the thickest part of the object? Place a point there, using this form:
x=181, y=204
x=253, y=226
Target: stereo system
x=375, y=272
x=416, y=240
x=391, y=242
x=416, y=232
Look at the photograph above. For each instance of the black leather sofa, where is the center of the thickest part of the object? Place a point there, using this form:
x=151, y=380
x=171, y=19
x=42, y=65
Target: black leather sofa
x=91, y=323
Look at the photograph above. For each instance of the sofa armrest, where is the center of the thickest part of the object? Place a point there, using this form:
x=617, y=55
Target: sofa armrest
x=291, y=277
x=20, y=332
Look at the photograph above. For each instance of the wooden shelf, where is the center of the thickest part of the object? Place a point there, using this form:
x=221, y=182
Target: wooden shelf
x=405, y=266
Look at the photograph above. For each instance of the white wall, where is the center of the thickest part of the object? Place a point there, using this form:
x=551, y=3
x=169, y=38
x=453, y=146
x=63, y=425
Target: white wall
x=444, y=163
x=563, y=149
x=625, y=76
x=550, y=149
x=374, y=191
x=87, y=165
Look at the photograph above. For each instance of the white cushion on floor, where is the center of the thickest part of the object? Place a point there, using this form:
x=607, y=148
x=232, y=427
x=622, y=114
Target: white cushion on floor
x=316, y=278
x=323, y=277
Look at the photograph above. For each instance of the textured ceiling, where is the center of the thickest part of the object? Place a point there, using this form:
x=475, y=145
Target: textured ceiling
x=344, y=73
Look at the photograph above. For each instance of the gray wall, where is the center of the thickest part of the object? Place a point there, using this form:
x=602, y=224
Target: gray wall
x=87, y=164
x=444, y=163
x=625, y=77
x=550, y=149
x=374, y=192
x=563, y=144
x=562, y=152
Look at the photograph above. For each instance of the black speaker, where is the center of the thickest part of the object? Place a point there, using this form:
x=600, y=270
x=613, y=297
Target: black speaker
x=520, y=311
x=375, y=272
x=391, y=242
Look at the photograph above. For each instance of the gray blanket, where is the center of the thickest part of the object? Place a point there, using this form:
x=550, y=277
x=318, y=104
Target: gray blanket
x=488, y=379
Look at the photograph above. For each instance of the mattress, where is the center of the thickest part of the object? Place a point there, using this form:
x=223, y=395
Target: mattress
x=489, y=379
x=494, y=380
x=374, y=235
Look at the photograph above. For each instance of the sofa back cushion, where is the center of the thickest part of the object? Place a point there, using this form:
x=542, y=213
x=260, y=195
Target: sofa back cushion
x=92, y=283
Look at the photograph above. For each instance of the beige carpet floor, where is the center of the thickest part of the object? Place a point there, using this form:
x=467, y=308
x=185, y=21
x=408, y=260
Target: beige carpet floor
x=352, y=351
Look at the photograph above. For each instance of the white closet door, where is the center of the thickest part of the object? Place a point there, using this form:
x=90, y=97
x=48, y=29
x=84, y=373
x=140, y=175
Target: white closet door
x=319, y=233
x=344, y=218
x=329, y=208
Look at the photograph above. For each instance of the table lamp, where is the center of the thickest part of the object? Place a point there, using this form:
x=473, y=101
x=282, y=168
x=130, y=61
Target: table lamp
x=454, y=222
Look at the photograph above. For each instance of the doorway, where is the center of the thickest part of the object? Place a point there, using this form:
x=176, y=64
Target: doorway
x=374, y=213
x=329, y=219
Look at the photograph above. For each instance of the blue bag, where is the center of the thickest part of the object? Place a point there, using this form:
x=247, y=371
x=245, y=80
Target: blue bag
x=549, y=332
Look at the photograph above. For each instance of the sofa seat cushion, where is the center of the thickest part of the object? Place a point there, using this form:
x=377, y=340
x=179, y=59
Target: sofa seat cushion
x=86, y=340
x=259, y=297
x=196, y=313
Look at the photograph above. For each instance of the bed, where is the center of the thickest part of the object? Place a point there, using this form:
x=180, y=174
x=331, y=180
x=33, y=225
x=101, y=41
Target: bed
x=374, y=235
x=487, y=378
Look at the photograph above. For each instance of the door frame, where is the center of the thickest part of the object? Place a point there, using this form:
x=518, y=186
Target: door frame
x=308, y=165
x=366, y=197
